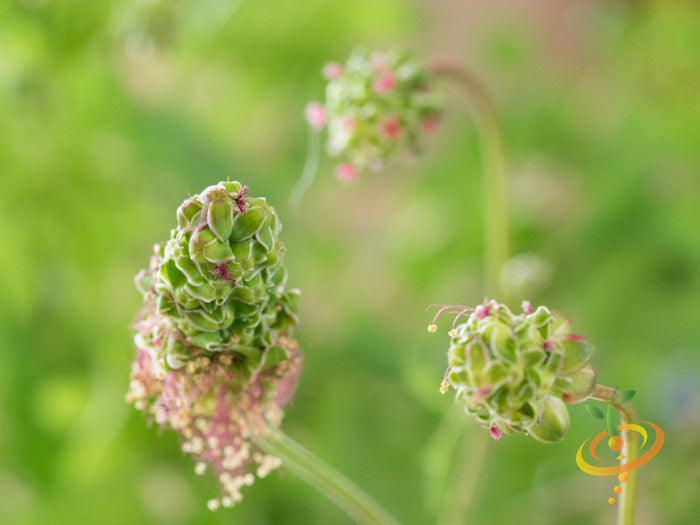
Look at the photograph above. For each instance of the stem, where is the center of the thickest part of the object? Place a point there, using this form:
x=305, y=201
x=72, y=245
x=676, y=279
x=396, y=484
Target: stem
x=308, y=173
x=334, y=485
x=463, y=485
x=496, y=232
x=625, y=515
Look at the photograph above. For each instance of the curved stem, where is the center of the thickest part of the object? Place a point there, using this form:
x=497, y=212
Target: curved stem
x=334, y=485
x=308, y=173
x=496, y=231
x=496, y=237
x=625, y=515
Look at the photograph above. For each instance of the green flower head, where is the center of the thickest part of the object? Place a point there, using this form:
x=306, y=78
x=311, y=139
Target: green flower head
x=219, y=280
x=377, y=105
x=515, y=373
x=215, y=361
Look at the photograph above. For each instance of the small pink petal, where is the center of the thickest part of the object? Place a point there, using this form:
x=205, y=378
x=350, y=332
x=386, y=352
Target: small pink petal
x=332, y=70
x=390, y=128
x=527, y=307
x=315, y=115
x=384, y=83
x=495, y=432
x=429, y=124
x=481, y=311
x=346, y=171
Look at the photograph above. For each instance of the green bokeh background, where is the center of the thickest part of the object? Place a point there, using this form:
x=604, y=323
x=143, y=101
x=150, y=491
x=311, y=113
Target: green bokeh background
x=111, y=112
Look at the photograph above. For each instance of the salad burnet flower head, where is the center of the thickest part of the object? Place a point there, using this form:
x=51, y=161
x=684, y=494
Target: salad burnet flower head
x=377, y=105
x=215, y=361
x=516, y=372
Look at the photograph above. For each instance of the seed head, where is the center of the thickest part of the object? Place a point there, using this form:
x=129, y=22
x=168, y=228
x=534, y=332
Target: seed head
x=377, y=106
x=214, y=359
x=515, y=373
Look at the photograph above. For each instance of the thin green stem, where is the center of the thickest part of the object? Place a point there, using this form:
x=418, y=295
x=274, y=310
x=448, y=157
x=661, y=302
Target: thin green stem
x=496, y=238
x=496, y=230
x=462, y=488
x=334, y=485
x=308, y=173
x=625, y=515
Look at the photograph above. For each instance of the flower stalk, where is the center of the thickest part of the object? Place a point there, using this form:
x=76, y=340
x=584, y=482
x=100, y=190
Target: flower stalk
x=334, y=485
x=496, y=230
x=496, y=239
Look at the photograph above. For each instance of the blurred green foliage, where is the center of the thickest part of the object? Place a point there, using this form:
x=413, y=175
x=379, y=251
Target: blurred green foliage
x=111, y=112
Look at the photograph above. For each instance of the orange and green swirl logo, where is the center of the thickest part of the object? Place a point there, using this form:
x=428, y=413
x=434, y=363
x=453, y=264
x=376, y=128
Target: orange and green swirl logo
x=641, y=442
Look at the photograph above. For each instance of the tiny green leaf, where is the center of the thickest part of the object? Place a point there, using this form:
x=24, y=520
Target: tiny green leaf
x=626, y=396
x=610, y=420
x=595, y=411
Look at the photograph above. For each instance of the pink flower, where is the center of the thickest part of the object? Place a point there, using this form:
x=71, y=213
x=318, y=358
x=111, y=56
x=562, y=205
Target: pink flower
x=346, y=171
x=332, y=70
x=481, y=311
x=315, y=115
x=390, y=128
x=429, y=124
x=527, y=307
x=384, y=83
x=495, y=432
x=214, y=406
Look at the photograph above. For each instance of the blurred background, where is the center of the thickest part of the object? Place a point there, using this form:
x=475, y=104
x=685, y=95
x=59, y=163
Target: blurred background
x=111, y=112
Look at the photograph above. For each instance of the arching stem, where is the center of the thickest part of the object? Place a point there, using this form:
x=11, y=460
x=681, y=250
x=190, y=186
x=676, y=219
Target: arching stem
x=625, y=514
x=335, y=486
x=308, y=173
x=496, y=230
x=496, y=238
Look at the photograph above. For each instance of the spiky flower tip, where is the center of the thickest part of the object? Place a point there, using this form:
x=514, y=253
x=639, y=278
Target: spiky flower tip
x=516, y=373
x=215, y=361
x=377, y=105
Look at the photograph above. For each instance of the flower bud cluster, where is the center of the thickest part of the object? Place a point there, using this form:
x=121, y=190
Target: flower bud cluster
x=214, y=359
x=515, y=373
x=377, y=105
x=219, y=279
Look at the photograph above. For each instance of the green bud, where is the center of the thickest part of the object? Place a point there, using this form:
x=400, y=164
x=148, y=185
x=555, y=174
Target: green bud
x=552, y=423
x=582, y=385
x=515, y=372
x=219, y=279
